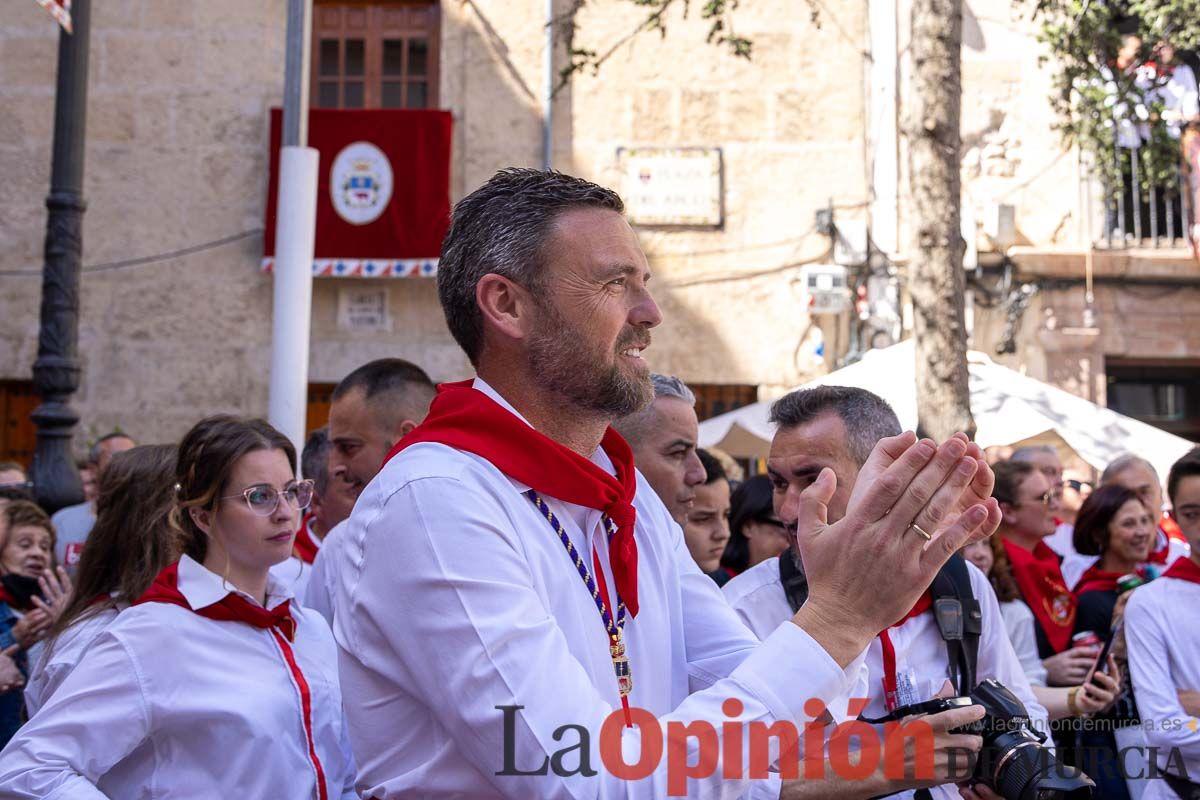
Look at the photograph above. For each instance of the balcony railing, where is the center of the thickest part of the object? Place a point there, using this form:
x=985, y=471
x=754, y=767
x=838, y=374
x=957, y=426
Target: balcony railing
x=1140, y=211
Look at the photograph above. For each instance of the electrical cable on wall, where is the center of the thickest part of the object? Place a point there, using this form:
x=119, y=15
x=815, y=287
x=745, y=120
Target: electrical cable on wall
x=141, y=260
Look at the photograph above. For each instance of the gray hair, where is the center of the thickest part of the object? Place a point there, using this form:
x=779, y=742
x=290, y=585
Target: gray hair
x=670, y=386
x=314, y=459
x=1029, y=452
x=634, y=426
x=1122, y=463
x=867, y=416
x=502, y=228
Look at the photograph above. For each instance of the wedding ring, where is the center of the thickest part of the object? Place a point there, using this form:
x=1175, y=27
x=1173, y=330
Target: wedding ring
x=921, y=531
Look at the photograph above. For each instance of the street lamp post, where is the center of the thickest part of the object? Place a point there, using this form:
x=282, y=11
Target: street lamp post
x=56, y=370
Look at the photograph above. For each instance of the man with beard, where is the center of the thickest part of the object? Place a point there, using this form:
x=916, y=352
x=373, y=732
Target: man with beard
x=836, y=427
x=515, y=595
x=373, y=407
x=663, y=438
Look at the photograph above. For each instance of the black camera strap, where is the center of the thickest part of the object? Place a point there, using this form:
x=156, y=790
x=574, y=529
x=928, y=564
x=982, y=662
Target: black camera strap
x=795, y=584
x=959, y=620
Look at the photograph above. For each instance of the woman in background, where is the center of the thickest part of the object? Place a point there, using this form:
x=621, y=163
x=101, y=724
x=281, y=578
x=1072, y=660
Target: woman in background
x=215, y=682
x=755, y=532
x=130, y=544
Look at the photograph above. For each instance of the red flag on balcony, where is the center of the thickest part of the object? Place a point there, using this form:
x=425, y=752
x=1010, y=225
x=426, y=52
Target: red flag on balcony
x=60, y=10
x=383, y=190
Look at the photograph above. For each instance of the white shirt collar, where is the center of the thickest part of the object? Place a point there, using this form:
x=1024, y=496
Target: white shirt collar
x=599, y=458
x=312, y=535
x=202, y=587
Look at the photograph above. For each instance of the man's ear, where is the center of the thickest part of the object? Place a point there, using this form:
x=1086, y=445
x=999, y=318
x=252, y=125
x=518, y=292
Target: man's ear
x=406, y=427
x=505, y=306
x=1007, y=516
x=202, y=517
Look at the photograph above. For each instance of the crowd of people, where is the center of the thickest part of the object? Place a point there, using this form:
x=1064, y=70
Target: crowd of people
x=456, y=590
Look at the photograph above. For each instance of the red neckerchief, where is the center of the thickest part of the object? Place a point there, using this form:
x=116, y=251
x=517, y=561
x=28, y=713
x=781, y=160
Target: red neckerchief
x=304, y=547
x=1168, y=530
x=1184, y=569
x=890, y=690
x=1097, y=580
x=232, y=608
x=467, y=419
x=1039, y=577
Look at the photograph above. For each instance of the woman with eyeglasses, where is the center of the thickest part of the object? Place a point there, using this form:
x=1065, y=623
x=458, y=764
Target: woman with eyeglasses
x=130, y=544
x=215, y=682
x=1028, y=505
x=756, y=533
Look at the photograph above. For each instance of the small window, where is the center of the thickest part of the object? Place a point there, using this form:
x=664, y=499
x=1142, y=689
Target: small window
x=375, y=55
x=1160, y=393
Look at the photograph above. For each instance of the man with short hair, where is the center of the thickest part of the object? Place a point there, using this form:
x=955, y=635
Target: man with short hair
x=74, y=523
x=372, y=408
x=331, y=502
x=663, y=436
x=835, y=428
x=512, y=583
x=1163, y=642
x=706, y=530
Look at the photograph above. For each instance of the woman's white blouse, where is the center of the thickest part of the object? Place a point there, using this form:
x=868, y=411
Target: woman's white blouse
x=167, y=703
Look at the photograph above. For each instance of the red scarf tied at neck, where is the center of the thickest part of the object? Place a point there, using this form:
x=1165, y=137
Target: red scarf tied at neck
x=232, y=608
x=466, y=419
x=304, y=548
x=1039, y=577
x=1097, y=580
x=1184, y=569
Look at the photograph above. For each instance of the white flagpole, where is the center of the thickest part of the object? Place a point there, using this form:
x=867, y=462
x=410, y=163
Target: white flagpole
x=295, y=239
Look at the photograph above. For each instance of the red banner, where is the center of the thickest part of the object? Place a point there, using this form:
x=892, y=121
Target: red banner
x=383, y=190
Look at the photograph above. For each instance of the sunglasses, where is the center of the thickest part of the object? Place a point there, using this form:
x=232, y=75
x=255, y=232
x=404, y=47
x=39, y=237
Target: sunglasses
x=263, y=499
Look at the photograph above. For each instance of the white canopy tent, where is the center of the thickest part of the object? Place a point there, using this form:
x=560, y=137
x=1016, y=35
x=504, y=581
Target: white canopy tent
x=1008, y=408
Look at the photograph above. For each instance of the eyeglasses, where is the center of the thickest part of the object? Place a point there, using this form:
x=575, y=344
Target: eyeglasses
x=263, y=498
x=1077, y=485
x=1044, y=498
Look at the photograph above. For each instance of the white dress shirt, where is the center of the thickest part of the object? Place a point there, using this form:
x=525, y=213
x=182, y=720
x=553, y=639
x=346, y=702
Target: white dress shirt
x=921, y=657
x=456, y=597
x=1163, y=642
x=318, y=591
x=62, y=655
x=169, y=704
x=1022, y=633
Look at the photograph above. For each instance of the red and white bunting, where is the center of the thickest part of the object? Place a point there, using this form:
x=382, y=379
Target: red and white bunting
x=60, y=10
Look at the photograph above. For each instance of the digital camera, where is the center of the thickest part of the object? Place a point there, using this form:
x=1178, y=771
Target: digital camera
x=1013, y=761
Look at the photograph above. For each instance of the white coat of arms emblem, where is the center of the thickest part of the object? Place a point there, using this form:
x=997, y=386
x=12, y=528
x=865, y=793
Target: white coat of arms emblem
x=360, y=183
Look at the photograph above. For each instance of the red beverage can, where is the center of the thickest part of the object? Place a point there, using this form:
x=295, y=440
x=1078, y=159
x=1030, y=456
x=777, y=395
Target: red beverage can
x=1130, y=581
x=1086, y=639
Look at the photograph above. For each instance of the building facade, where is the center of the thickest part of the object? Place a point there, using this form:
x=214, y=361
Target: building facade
x=176, y=310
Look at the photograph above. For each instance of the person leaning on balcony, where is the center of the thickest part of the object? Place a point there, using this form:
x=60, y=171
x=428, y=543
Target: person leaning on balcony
x=511, y=564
